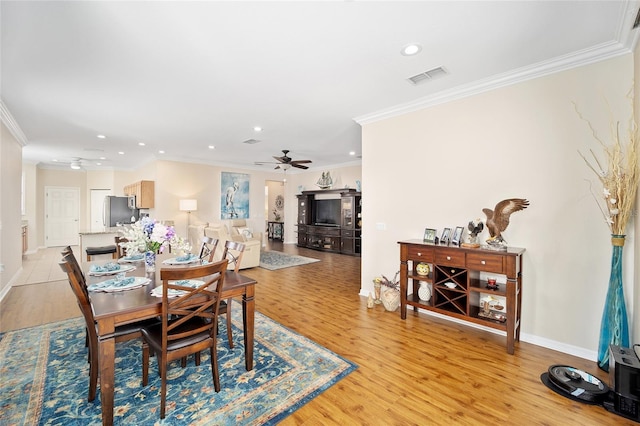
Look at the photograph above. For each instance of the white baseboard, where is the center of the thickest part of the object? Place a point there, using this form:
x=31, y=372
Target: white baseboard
x=9, y=285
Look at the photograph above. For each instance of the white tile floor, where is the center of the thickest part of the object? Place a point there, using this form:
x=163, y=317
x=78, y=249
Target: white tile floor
x=43, y=266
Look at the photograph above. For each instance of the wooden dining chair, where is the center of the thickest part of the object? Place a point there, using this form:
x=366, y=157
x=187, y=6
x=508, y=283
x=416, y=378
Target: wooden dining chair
x=236, y=259
x=189, y=321
x=119, y=249
x=122, y=333
x=208, y=248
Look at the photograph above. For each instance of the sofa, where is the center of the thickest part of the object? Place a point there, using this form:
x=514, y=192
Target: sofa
x=220, y=231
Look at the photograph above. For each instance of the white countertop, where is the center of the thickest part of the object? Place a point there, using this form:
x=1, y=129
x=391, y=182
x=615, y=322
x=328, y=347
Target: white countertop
x=113, y=230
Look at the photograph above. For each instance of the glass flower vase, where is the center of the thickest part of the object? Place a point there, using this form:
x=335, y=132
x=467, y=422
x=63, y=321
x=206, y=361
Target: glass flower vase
x=614, y=328
x=150, y=261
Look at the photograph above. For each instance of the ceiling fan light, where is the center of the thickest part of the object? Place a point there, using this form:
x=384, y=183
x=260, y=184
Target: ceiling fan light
x=75, y=165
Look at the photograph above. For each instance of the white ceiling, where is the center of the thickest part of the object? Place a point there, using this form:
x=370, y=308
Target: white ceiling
x=179, y=76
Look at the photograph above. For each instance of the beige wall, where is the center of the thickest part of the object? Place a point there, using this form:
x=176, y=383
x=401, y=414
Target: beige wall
x=440, y=166
x=10, y=212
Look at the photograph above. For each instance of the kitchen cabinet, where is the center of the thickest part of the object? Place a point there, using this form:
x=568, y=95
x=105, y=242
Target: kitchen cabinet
x=144, y=191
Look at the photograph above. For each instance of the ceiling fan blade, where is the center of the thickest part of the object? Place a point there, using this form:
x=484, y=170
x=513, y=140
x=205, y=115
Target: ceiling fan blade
x=300, y=161
x=281, y=159
x=276, y=167
x=300, y=166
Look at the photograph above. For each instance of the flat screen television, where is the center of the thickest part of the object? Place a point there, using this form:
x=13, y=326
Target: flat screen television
x=326, y=212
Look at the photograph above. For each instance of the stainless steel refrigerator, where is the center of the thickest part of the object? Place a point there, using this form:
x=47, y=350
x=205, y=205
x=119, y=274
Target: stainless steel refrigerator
x=117, y=212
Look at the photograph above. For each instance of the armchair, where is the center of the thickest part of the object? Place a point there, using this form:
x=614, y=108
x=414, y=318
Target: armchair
x=243, y=233
x=251, y=255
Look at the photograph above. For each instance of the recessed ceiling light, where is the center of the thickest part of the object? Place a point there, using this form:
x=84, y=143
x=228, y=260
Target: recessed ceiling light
x=121, y=152
x=257, y=129
x=98, y=164
x=141, y=143
x=161, y=152
x=55, y=160
x=212, y=147
x=411, y=49
x=102, y=137
x=103, y=158
x=352, y=153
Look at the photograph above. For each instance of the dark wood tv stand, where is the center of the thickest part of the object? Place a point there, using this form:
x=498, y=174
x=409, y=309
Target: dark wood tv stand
x=343, y=237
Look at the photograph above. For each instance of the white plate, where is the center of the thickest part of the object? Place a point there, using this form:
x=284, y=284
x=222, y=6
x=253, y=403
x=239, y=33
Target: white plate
x=123, y=268
x=173, y=292
x=175, y=261
x=107, y=285
x=132, y=259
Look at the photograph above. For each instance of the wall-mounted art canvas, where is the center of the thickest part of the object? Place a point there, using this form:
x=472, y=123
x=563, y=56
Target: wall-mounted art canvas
x=234, y=191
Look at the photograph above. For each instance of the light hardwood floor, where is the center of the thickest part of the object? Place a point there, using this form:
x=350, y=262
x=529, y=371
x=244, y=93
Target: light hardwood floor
x=422, y=371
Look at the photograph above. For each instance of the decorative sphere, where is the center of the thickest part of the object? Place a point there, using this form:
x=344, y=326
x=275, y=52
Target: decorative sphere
x=423, y=268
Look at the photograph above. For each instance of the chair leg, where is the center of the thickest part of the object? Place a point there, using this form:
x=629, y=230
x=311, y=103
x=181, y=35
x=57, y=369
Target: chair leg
x=145, y=364
x=163, y=388
x=93, y=374
x=229, y=331
x=197, y=358
x=214, y=368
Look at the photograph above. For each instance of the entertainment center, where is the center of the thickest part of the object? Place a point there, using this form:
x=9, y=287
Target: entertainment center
x=330, y=220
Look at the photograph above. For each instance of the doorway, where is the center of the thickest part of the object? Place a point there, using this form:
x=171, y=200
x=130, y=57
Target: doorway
x=61, y=216
x=274, y=209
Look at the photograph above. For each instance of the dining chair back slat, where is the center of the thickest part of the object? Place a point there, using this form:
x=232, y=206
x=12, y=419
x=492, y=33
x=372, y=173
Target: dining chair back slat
x=79, y=288
x=236, y=260
x=189, y=320
x=208, y=248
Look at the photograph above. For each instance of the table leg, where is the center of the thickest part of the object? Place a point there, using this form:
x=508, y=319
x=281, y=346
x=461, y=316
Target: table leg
x=248, y=320
x=107, y=349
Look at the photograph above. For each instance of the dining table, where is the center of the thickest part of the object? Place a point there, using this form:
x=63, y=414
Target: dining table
x=112, y=309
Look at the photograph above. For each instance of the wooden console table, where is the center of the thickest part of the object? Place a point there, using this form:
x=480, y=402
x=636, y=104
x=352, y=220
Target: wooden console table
x=458, y=279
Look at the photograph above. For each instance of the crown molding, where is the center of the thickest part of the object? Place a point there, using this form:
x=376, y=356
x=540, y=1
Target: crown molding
x=12, y=125
x=574, y=60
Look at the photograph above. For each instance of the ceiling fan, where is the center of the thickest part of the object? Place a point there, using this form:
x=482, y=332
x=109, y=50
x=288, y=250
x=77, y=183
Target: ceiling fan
x=76, y=163
x=285, y=162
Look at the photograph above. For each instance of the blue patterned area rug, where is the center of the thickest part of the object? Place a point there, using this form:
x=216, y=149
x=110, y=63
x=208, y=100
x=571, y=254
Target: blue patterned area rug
x=45, y=379
x=273, y=260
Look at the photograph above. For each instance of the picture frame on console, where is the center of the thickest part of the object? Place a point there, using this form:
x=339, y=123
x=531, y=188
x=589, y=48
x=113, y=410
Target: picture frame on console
x=446, y=234
x=429, y=236
x=457, y=236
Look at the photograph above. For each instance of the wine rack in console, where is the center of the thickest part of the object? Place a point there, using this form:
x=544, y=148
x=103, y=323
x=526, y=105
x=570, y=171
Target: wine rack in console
x=459, y=281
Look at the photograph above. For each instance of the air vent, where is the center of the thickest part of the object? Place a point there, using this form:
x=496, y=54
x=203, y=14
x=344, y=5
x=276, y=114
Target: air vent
x=427, y=75
x=251, y=141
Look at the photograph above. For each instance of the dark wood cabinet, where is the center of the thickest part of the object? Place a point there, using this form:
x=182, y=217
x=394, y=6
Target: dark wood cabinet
x=459, y=287
x=342, y=235
x=351, y=222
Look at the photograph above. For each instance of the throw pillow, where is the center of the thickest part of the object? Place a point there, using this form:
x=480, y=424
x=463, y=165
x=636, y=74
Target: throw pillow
x=245, y=232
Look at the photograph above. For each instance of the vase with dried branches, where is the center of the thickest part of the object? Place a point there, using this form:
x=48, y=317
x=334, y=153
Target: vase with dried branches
x=618, y=174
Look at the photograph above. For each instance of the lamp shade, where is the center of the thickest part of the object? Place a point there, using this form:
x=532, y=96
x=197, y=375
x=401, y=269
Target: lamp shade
x=188, y=205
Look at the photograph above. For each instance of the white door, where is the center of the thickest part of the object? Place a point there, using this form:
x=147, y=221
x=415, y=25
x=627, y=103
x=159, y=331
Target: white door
x=97, y=209
x=61, y=216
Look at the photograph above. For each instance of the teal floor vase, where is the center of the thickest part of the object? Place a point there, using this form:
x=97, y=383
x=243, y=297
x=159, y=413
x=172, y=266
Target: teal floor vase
x=614, y=328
